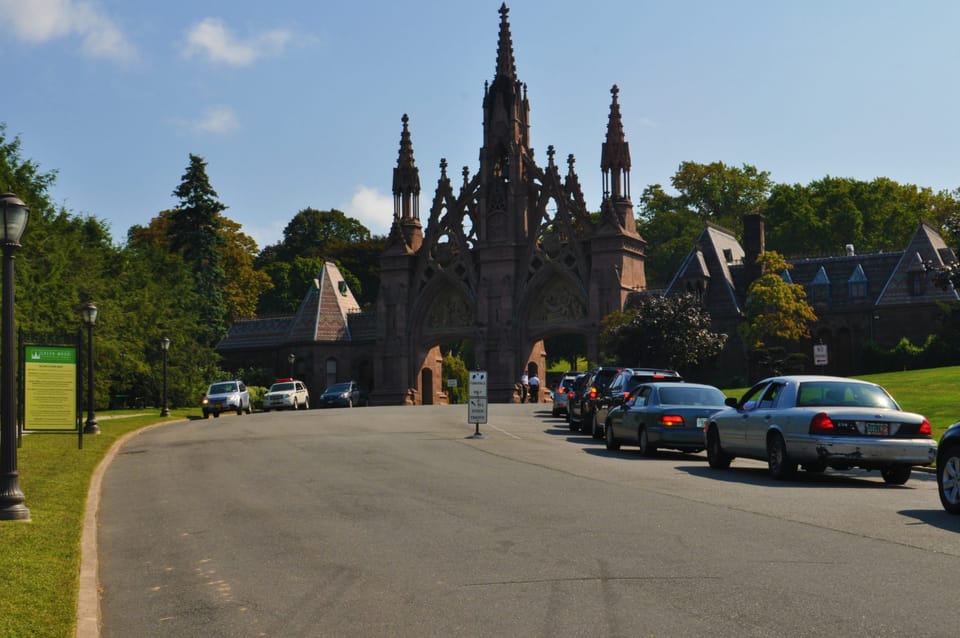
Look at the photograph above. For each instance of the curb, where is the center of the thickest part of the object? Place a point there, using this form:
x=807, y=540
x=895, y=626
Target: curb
x=88, y=598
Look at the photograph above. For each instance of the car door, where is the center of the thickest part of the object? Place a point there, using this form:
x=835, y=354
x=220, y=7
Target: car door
x=760, y=418
x=733, y=423
x=640, y=414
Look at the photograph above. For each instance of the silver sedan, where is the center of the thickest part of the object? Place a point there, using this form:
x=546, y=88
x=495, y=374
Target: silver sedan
x=818, y=422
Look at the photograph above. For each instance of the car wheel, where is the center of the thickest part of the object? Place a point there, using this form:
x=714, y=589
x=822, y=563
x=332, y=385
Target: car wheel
x=573, y=427
x=555, y=413
x=349, y=403
x=306, y=404
x=612, y=444
x=216, y=415
x=249, y=408
x=644, y=440
x=206, y=414
x=948, y=479
x=295, y=406
x=896, y=474
x=778, y=461
x=716, y=457
x=240, y=410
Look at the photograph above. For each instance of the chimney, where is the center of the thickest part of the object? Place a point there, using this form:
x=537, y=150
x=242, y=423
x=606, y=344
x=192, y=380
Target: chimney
x=753, y=243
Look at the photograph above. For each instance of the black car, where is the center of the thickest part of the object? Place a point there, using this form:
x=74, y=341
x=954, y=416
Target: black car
x=597, y=381
x=574, y=403
x=948, y=469
x=621, y=388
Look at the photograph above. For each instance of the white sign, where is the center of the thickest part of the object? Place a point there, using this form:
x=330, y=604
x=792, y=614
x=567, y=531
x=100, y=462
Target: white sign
x=478, y=384
x=477, y=410
x=820, y=355
x=451, y=383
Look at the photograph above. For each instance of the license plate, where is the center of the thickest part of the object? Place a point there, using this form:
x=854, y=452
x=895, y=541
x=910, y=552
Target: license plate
x=876, y=429
x=701, y=421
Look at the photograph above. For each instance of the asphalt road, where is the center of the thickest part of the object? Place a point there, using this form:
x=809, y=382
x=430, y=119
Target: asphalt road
x=391, y=522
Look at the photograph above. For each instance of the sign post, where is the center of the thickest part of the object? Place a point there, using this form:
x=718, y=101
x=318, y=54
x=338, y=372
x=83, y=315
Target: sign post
x=477, y=403
x=820, y=354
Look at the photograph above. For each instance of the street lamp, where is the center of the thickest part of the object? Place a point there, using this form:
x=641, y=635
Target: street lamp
x=165, y=345
x=291, y=359
x=90, y=318
x=15, y=214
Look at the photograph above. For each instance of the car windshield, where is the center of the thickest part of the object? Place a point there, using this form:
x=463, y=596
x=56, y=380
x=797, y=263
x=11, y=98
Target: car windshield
x=281, y=387
x=685, y=395
x=838, y=393
x=222, y=388
x=338, y=387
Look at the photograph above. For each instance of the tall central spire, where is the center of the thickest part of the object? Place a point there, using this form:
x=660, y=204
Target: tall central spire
x=506, y=67
x=615, y=154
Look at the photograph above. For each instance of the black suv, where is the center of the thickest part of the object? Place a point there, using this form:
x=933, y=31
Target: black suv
x=621, y=388
x=585, y=405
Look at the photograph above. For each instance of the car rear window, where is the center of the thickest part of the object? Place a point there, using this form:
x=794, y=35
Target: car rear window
x=838, y=393
x=685, y=395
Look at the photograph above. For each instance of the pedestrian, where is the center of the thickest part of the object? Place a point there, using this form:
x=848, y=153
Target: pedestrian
x=534, y=382
x=524, y=386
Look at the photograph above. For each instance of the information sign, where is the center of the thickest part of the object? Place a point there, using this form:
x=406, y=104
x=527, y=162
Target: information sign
x=50, y=388
x=820, y=354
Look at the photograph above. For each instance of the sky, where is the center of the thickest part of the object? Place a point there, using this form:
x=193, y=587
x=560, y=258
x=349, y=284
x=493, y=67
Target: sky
x=298, y=103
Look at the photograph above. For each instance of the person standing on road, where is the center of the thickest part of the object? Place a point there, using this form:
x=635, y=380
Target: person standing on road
x=524, y=386
x=534, y=381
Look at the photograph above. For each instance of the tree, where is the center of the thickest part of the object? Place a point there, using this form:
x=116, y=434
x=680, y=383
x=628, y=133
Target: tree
x=195, y=233
x=242, y=283
x=714, y=193
x=775, y=309
x=660, y=331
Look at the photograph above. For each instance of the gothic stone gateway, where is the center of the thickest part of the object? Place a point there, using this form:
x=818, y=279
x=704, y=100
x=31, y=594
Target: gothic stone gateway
x=508, y=257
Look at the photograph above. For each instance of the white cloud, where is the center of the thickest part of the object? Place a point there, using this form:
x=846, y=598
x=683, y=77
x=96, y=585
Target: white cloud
x=373, y=210
x=39, y=21
x=218, y=119
x=212, y=38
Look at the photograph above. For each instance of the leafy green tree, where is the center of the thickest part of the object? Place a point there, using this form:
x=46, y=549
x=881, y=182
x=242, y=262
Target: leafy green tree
x=775, y=309
x=195, y=232
x=714, y=193
x=660, y=331
x=454, y=367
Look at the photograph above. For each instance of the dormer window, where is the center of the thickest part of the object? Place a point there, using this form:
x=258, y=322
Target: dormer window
x=857, y=284
x=728, y=255
x=820, y=287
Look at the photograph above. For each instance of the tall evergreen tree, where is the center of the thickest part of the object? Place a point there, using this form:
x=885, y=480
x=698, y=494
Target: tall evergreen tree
x=194, y=232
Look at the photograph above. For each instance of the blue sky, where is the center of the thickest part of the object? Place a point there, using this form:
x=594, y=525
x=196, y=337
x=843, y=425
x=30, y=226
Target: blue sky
x=298, y=103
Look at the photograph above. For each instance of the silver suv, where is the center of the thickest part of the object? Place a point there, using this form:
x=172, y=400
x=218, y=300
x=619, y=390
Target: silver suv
x=289, y=394
x=226, y=396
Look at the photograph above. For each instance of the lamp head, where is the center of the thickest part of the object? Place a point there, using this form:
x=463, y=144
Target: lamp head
x=165, y=343
x=14, y=219
x=90, y=314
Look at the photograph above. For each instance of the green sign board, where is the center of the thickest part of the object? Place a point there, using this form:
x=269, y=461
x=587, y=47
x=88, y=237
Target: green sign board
x=50, y=388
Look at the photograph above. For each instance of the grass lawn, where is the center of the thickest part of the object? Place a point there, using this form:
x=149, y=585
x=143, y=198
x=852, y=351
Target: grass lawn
x=40, y=561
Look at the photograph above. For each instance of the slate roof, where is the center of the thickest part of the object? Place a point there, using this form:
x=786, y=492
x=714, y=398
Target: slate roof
x=325, y=314
x=837, y=282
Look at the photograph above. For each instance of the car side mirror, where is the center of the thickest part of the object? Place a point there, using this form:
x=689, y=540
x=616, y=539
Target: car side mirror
x=730, y=402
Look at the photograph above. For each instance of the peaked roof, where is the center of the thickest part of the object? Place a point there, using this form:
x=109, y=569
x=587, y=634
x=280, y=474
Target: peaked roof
x=324, y=315
x=716, y=255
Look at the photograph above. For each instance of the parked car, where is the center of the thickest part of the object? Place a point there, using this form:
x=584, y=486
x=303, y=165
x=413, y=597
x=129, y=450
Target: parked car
x=585, y=410
x=948, y=469
x=663, y=415
x=575, y=401
x=621, y=388
x=341, y=395
x=225, y=396
x=818, y=422
x=562, y=393
x=286, y=394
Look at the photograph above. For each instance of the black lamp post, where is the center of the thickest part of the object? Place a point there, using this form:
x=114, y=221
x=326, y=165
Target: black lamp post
x=15, y=214
x=90, y=318
x=291, y=359
x=165, y=345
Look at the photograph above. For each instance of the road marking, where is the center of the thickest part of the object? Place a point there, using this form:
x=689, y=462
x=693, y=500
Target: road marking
x=514, y=436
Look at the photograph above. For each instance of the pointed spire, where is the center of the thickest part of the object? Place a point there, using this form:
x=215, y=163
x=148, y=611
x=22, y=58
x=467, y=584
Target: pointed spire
x=506, y=67
x=615, y=154
x=406, y=178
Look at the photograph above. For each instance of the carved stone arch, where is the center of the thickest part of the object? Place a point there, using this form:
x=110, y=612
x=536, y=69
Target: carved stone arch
x=444, y=307
x=554, y=301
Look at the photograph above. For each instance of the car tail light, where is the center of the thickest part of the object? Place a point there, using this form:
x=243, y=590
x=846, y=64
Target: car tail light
x=821, y=424
x=670, y=420
x=570, y=394
x=593, y=393
x=626, y=396
x=925, y=429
